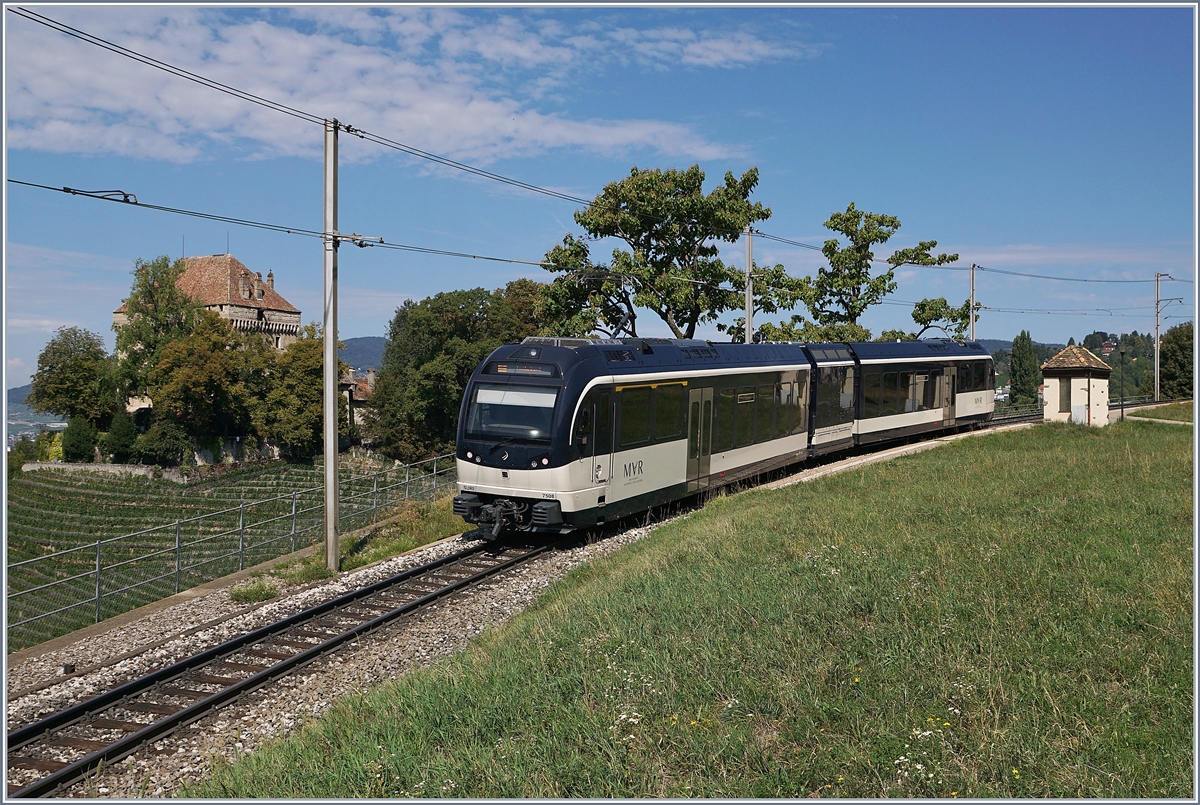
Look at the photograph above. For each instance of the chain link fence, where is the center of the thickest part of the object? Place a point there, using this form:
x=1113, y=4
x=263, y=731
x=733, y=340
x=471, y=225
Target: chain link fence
x=63, y=591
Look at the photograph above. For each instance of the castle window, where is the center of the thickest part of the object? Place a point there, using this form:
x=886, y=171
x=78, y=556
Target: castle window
x=259, y=293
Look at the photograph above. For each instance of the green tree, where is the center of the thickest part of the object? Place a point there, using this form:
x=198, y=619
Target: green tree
x=194, y=382
x=800, y=329
x=78, y=440
x=24, y=450
x=670, y=266
x=844, y=289
x=158, y=312
x=432, y=347
x=121, y=440
x=74, y=377
x=294, y=410
x=166, y=444
x=1025, y=374
x=1175, y=362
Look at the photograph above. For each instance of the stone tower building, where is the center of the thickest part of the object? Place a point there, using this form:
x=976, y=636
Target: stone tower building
x=224, y=285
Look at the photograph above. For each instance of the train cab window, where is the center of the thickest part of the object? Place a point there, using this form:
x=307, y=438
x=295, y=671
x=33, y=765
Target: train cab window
x=744, y=424
x=800, y=421
x=764, y=413
x=634, y=419
x=668, y=410
x=723, y=431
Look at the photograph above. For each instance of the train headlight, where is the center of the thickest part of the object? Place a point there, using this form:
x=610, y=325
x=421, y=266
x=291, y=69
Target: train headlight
x=470, y=454
x=533, y=464
x=545, y=461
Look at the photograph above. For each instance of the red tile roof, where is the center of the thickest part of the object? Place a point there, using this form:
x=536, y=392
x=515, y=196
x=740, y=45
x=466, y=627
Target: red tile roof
x=1075, y=357
x=216, y=279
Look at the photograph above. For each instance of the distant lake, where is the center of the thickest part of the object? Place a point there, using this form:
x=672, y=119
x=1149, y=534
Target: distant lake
x=22, y=419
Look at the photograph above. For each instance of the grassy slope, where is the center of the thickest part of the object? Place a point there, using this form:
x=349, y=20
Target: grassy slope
x=1181, y=412
x=1004, y=616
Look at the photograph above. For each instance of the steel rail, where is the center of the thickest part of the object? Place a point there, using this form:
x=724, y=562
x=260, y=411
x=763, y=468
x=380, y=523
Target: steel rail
x=78, y=713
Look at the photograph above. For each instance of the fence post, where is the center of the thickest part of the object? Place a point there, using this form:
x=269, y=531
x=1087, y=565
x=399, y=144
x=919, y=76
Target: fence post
x=407, y=467
x=433, y=492
x=374, y=498
x=97, y=581
x=293, y=522
x=241, y=536
x=178, y=550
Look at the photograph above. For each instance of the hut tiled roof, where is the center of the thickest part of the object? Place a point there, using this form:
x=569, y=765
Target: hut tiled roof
x=1075, y=357
x=215, y=279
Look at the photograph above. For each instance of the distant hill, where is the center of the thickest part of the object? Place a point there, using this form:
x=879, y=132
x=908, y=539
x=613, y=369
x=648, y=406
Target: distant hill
x=363, y=353
x=17, y=396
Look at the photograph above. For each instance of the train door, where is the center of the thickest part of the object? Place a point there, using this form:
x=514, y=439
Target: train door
x=700, y=409
x=603, y=452
x=949, y=390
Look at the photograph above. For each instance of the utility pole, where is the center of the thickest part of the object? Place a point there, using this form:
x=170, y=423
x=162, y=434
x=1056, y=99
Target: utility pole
x=1157, y=303
x=749, y=288
x=332, y=549
x=972, y=301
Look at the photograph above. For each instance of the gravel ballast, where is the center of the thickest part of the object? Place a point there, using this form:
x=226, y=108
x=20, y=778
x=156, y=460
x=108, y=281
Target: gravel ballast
x=272, y=712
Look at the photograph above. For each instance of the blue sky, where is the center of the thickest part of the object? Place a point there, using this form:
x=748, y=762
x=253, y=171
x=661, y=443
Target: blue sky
x=1042, y=140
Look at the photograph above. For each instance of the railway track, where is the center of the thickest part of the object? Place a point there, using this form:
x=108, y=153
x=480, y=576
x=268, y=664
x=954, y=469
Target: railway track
x=63, y=748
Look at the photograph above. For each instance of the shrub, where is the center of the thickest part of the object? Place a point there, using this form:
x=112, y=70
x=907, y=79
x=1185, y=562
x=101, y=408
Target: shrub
x=78, y=440
x=166, y=443
x=255, y=590
x=23, y=450
x=121, y=439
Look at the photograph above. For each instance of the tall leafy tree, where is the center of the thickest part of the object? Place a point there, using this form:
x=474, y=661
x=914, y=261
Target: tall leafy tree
x=121, y=439
x=294, y=411
x=432, y=347
x=1025, y=374
x=1175, y=362
x=671, y=230
x=844, y=289
x=936, y=314
x=78, y=440
x=158, y=313
x=74, y=377
x=195, y=381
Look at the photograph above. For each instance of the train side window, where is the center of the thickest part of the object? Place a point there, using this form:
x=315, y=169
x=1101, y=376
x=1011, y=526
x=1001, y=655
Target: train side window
x=668, y=406
x=726, y=404
x=904, y=393
x=887, y=395
x=785, y=395
x=846, y=398
x=744, y=428
x=634, y=421
x=706, y=440
x=978, y=376
x=694, y=430
x=871, y=391
x=964, y=377
x=581, y=440
x=800, y=422
x=991, y=373
x=920, y=391
x=764, y=413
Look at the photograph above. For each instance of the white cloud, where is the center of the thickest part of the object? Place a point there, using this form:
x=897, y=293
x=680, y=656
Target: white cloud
x=23, y=255
x=456, y=83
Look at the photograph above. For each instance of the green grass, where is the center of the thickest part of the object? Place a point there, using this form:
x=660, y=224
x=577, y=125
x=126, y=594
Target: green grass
x=1004, y=616
x=1180, y=412
x=254, y=590
x=416, y=523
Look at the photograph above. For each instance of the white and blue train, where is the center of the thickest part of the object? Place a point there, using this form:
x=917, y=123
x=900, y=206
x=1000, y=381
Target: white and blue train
x=561, y=434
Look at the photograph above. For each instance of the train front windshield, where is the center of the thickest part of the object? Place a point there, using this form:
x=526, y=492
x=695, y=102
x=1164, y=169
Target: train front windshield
x=511, y=413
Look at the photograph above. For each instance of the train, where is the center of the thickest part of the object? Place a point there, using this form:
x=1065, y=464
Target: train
x=560, y=434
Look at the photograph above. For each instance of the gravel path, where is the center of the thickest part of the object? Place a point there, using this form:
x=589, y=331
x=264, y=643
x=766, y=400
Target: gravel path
x=182, y=630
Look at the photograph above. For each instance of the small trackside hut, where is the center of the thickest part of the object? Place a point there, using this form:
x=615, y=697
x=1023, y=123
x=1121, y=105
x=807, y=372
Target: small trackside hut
x=1076, y=388
x=560, y=434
